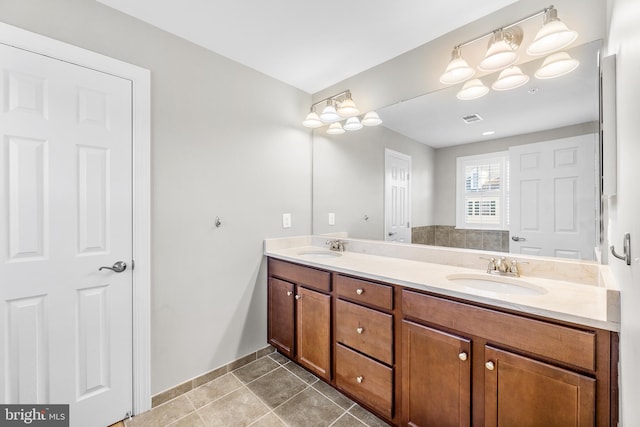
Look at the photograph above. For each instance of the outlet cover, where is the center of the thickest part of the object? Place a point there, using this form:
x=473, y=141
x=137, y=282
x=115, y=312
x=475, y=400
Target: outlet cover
x=332, y=218
x=286, y=220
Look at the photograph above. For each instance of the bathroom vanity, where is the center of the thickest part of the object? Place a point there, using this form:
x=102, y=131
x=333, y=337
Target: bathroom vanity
x=402, y=338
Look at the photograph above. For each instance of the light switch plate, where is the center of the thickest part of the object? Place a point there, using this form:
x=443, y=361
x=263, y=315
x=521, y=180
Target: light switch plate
x=332, y=218
x=286, y=220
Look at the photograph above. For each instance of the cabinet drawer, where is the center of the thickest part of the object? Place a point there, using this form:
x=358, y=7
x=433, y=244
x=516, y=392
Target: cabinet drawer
x=369, y=381
x=365, y=292
x=366, y=330
x=307, y=276
x=564, y=344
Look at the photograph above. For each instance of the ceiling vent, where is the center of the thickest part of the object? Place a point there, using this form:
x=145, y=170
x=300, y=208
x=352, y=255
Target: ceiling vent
x=472, y=118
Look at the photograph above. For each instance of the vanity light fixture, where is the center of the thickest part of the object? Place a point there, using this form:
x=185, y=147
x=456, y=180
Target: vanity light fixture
x=339, y=108
x=510, y=78
x=502, y=55
x=329, y=113
x=554, y=35
x=502, y=49
x=352, y=123
x=458, y=70
x=556, y=65
x=335, y=128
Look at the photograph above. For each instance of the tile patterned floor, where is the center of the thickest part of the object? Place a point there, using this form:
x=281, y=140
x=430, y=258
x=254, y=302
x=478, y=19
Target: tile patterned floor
x=270, y=392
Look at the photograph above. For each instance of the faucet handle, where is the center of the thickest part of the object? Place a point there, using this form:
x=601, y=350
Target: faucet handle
x=492, y=264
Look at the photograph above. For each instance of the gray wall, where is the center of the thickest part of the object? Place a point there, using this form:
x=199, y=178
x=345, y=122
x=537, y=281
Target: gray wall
x=348, y=180
x=445, y=163
x=219, y=147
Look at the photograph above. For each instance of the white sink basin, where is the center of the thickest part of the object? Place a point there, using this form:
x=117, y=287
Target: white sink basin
x=496, y=284
x=320, y=253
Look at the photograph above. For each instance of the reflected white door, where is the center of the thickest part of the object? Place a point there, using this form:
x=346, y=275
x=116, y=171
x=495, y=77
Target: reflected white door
x=65, y=211
x=553, y=187
x=397, y=196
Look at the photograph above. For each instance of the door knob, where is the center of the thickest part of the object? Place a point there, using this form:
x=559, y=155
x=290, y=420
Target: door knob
x=118, y=267
x=518, y=239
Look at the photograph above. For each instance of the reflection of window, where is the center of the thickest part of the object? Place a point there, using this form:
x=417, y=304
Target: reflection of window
x=481, y=191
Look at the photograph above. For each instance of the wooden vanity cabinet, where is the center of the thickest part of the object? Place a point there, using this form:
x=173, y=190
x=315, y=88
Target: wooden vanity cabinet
x=419, y=359
x=364, y=336
x=525, y=372
x=436, y=381
x=299, y=315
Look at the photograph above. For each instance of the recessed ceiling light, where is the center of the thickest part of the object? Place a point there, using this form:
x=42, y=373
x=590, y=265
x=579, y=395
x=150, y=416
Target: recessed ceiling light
x=489, y=132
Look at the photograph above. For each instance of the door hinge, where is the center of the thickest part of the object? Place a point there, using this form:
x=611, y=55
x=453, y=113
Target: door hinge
x=133, y=264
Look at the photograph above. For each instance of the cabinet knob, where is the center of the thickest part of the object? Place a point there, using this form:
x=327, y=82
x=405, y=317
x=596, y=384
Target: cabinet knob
x=360, y=330
x=463, y=356
x=359, y=291
x=490, y=366
x=360, y=379
x=289, y=293
x=298, y=296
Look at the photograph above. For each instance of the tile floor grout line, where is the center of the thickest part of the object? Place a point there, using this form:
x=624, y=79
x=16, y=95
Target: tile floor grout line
x=224, y=395
x=265, y=404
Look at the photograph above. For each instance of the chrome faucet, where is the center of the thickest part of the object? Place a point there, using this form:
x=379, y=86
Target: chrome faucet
x=336, y=245
x=501, y=266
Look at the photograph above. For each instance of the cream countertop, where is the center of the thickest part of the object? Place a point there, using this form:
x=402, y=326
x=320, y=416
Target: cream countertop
x=584, y=293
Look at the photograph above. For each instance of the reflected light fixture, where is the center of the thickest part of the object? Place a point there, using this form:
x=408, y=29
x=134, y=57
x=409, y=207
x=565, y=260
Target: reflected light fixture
x=472, y=89
x=510, y=78
x=458, y=70
x=371, y=119
x=554, y=35
x=502, y=55
x=556, y=65
x=346, y=111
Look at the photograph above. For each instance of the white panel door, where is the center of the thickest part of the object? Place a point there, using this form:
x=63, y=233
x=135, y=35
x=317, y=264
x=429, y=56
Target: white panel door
x=397, y=197
x=553, y=188
x=65, y=211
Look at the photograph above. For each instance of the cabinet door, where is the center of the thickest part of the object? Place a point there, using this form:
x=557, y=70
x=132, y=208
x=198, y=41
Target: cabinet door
x=281, y=315
x=313, y=335
x=436, y=377
x=526, y=393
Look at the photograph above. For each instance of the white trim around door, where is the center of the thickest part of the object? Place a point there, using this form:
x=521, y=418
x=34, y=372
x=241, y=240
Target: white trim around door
x=141, y=83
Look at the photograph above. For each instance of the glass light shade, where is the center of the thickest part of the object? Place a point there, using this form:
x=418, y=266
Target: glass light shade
x=348, y=108
x=371, y=119
x=499, y=55
x=556, y=65
x=473, y=89
x=352, y=123
x=312, y=120
x=329, y=114
x=510, y=78
x=554, y=35
x=457, y=71
x=335, y=129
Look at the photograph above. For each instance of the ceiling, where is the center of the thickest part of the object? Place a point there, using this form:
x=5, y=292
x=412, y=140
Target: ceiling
x=309, y=45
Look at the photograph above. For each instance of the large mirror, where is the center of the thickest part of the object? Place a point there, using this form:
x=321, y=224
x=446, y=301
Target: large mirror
x=547, y=125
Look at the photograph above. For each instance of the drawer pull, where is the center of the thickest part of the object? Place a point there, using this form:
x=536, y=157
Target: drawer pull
x=298, y=296
x=359, y=291
x=360, y=379
x=289, y=293
x=360, y=330
x=490, y=366
x=463, y=356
